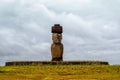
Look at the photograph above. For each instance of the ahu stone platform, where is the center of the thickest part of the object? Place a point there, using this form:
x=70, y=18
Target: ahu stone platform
x=34, y=63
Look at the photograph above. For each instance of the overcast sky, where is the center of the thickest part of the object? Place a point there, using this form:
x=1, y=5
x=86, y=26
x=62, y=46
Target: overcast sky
x=91, y=29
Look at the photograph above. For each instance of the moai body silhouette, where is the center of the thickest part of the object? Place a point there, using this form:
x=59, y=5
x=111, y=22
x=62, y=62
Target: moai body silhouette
x=57, y=46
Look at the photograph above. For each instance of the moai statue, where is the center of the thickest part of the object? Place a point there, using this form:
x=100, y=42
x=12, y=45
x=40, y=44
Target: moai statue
x=57, y=46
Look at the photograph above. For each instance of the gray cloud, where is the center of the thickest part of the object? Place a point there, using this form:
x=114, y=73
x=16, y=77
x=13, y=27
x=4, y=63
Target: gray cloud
x=91, y=29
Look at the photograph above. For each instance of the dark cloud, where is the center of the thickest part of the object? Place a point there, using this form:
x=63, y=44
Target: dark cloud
x=91, y=29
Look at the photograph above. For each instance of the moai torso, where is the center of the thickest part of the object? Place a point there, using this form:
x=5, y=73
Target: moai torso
x=57, y=46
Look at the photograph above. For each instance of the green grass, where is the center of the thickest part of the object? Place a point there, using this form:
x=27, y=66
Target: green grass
x=61, y=72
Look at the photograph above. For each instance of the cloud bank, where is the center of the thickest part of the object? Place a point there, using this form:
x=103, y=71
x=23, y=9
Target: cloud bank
x=91, y=29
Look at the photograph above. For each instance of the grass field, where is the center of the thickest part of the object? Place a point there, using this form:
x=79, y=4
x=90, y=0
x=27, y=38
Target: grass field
x=61, y=72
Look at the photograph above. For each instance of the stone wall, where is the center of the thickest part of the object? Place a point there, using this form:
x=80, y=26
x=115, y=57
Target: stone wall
x=25, y=63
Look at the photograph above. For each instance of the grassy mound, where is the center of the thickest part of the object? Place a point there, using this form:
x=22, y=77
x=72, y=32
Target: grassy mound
x=60, y=72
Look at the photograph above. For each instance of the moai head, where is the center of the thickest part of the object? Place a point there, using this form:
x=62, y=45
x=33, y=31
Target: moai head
x=56, y=37
x=57, y=33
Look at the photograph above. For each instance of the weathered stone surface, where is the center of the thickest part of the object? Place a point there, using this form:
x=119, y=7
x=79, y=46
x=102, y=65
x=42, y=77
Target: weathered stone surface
x=56, y=37
x=57, y=29
x=57, y=52
x=23, y=63
x=57, y=46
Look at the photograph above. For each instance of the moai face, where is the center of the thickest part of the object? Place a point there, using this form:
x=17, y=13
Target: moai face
x=56, y=37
